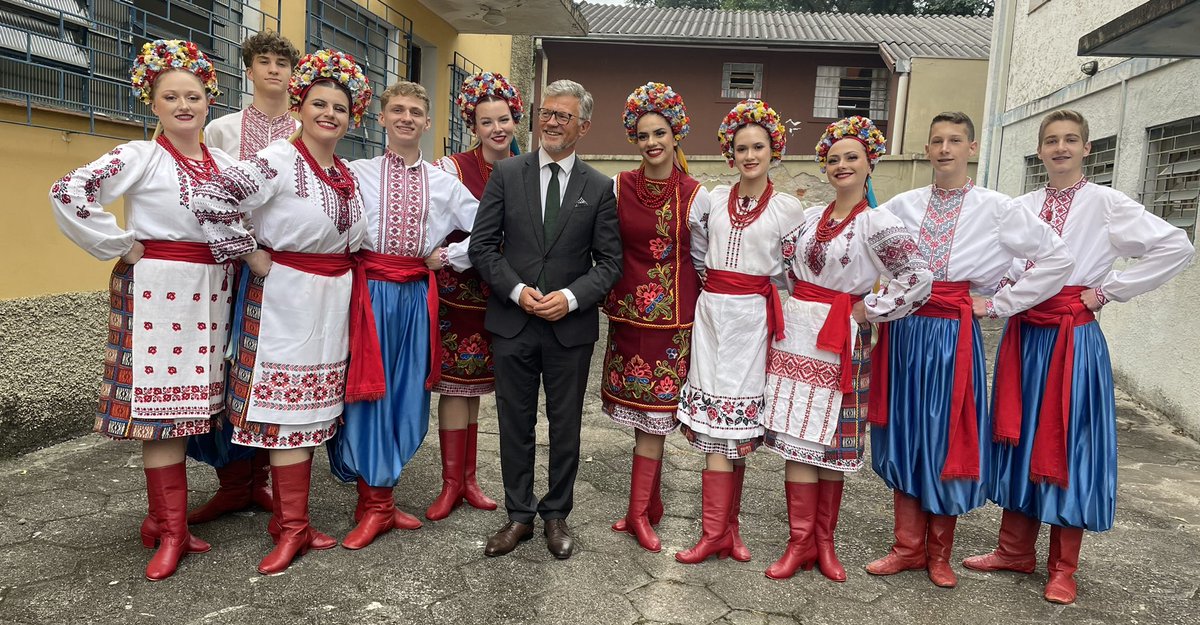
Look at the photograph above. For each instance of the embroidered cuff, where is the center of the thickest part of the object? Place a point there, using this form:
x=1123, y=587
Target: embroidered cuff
x=1100, y=296
x=991, y=310
x=444, y=257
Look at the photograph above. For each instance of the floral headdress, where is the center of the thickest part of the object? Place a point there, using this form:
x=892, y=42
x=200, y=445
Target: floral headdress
x=855, y=127
x=752, y=112
x=338, y=67
x=655, y=97
x=485, y=84
x=163, y=55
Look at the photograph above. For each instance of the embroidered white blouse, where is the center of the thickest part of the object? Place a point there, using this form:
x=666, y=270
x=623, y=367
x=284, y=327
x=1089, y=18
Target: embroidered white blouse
x=411, y=209
x=973, y=234
x=246, y=132
x=1099, y=225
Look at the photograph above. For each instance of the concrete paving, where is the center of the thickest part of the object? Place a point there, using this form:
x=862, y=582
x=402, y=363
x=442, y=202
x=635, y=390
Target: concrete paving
x=70, y=553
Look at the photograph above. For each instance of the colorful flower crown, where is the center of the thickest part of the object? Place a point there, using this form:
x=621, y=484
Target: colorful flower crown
x=655, y=97
x=486, y=84
x=163, y=55
x=752, y=112
x=338, y=67
x=855, y=127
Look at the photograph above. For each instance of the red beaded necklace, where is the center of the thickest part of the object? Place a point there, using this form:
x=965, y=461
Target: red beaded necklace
x=199, y=170
x=827, y=230
x=343, y=183
x=485, y=168
x=740, y=216
x=647, y=196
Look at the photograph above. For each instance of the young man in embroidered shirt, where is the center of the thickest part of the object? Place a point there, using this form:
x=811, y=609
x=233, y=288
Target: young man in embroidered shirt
x=243, y=472
x=269, y=59
x=931, y=430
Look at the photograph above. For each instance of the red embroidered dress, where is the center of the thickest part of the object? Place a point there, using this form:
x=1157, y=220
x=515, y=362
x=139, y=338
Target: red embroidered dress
x=467, y=367
x=650, y=309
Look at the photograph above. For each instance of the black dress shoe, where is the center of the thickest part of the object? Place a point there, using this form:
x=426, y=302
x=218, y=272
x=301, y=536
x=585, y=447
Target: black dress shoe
x=558, y=539
x=507, y=538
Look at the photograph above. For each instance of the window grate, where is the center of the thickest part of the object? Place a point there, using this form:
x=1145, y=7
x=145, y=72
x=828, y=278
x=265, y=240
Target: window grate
x=74, y=55
x=381, y=43
x=740, y=81
x=460, y=135
x=1171, y=185
x=845, y=91
x=1099, y=166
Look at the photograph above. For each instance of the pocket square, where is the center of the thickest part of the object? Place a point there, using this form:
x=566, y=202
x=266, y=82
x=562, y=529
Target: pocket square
x=581, y=202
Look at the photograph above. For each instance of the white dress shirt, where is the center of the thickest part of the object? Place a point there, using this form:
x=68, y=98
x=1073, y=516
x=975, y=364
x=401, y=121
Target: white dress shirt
x=564, y=175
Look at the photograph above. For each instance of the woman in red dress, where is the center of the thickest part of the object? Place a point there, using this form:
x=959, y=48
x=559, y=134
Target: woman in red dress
x=651, y=307
x=491, y=107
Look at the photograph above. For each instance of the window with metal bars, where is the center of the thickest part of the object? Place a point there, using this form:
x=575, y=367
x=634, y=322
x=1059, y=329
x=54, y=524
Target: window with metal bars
x=845, y=91
x=75, y=55
x=1098, y=166
x=460, y=134
x=1171, y=185
x=382, y=44
x=740, y=81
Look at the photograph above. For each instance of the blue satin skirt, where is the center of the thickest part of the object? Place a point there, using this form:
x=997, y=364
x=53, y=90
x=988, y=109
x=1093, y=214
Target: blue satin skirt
x=1090, y=500
x=379, y=437
x=909, y=453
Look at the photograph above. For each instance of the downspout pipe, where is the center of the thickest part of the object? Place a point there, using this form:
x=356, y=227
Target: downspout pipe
x=988, y=169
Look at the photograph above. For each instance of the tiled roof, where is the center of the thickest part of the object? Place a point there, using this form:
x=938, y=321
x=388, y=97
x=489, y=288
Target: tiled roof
x=900, y=37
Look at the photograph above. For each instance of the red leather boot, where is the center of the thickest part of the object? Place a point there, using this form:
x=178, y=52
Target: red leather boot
x=636, y=522
x=716, y=496
x=296, y=536
x=739, y=552
x=471, y=491
x=908, y=552
x=801, y=550
x=829, y=503
x=939, y=542
x=454, y=444
x=1016, y=548
x=654, y=510
x=260, y=478
x=378, y=516
x=1063, y=562
x=233, y=494
x=166, y=488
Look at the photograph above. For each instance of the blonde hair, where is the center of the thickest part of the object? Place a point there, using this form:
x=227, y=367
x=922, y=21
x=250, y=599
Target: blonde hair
x=1063, y=115
x=405, y=88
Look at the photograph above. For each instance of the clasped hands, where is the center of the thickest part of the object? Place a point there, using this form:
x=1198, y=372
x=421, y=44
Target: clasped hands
x=550, y=307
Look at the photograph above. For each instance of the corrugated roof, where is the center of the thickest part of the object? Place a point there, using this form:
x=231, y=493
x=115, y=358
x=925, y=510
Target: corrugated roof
x=900, y=37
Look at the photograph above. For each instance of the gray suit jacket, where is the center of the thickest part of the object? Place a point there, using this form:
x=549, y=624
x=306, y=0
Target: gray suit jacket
x=509, y=247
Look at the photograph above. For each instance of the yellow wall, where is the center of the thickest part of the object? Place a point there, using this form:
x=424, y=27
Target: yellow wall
x=938, y=85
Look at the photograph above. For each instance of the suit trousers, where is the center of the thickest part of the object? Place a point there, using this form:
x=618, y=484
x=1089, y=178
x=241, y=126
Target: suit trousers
x=534, y=355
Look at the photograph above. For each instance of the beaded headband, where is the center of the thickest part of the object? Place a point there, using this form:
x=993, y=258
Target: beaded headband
x=163, y=55
x=486, y=84
x=856, y=127
x=752, y=112
x=655, y=97
x=339, y=67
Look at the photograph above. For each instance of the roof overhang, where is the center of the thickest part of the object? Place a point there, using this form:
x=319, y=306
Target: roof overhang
x=791, y=45
x=510, y=17
x=1159, y=28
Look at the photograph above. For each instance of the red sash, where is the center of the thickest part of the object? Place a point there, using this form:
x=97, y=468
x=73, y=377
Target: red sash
x=181, y=251
x=835, y=332
x=734, y=283
x=376, y=266
x=1049, y=460
x=361, y=379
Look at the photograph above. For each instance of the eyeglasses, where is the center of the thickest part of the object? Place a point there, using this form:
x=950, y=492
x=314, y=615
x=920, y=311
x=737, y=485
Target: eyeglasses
x=545, y=114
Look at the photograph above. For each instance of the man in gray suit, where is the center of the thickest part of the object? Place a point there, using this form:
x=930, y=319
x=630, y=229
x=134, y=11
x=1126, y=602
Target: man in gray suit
x=547, y=242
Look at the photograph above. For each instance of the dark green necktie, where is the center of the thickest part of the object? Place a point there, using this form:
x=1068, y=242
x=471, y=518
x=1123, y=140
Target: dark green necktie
x=553, y=197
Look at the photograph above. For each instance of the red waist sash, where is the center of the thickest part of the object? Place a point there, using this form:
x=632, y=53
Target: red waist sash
x=181, y=251
x=361, y=379
x=390, y=268
x=734, y=283
x=835, y=333
x=1049, y=460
